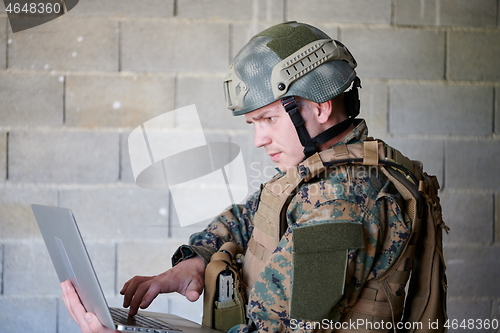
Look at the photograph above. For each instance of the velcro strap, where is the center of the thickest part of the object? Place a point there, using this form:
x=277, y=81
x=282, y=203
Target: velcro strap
x=370, y=153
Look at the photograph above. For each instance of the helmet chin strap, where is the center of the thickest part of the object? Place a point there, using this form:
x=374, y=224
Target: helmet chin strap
x=311, y=145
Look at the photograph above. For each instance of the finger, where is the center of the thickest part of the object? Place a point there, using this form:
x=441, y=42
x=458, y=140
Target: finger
x=64, y=287
x=138, y=299
x=130, y=290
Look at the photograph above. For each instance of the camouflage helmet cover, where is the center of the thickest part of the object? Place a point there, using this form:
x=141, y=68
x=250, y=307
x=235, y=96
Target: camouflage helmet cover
x=288, y=59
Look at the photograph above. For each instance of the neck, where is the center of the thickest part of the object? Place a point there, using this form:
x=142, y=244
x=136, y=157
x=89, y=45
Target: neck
x=336, y=139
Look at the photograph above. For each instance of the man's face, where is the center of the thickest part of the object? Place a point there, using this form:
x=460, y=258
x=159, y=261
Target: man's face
x=275, y=132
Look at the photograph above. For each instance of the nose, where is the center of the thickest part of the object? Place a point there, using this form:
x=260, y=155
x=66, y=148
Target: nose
x=261, y=136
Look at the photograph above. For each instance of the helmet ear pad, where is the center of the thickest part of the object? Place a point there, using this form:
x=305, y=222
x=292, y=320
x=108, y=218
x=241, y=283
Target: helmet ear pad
x=352, y=104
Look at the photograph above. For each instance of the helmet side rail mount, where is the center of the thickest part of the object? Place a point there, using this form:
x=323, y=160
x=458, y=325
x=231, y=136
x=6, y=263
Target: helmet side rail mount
x=305, y=60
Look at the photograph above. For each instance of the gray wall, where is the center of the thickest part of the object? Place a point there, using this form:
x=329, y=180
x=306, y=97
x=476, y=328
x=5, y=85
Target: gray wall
x=71, y=90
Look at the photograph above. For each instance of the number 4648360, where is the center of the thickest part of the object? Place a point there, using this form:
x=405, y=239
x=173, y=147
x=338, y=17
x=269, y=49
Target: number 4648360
x=33, y=8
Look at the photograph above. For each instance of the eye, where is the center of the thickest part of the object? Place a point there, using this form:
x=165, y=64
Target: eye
x=271, y=119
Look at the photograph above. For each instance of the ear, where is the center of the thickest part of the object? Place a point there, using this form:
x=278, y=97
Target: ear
x=324, y=111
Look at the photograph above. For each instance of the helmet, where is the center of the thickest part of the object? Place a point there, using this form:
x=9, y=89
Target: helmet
x=288, y=59
x=293, y=59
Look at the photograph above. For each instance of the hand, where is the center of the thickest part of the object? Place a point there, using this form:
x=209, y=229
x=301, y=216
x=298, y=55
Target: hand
x=186, y=278
x=87, y=321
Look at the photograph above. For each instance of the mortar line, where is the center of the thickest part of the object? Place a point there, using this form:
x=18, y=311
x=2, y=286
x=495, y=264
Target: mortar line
x=174, y=14
x=7, y=156
x=285, y=8
x=445, y=65
x=393, y=11
x=119, y=46
x=7, y=43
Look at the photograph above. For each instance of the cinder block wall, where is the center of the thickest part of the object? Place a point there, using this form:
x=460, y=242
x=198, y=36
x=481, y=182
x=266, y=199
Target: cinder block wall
x=71, y=90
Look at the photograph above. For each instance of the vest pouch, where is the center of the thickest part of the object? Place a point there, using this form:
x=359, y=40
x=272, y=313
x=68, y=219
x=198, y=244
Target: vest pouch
x=229, y=313
x=319, y=266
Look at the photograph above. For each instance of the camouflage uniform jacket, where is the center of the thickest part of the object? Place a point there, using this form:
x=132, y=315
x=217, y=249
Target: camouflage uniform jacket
x=355, y=194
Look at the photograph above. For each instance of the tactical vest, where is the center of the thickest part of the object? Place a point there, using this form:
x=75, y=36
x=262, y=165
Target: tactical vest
x=382, y=299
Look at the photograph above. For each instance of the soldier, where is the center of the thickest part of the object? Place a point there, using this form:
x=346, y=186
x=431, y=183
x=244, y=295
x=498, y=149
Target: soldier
x=321, y=238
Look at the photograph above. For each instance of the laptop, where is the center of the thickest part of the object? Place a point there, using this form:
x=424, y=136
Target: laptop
x=72, y=262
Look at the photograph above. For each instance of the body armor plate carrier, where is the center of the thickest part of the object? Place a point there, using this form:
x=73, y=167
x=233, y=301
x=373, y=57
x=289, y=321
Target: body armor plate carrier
x=381, y=299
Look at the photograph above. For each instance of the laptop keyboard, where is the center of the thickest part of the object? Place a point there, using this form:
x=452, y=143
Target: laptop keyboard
x=141, y=323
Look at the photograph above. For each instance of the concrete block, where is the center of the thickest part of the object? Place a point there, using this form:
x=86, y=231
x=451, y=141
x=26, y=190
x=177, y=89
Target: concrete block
x=182, y=233
x=373, y=98
x=396, y=53
x=340, y=11
x=465, y=309
x=259, y=10
x=440, y=109
x=416, y=13
x=3, y=42
x=145, y=258
x=120, y=8
x=207, y=93
x=103, y=256
x=464, y=13
x=126, y=174
x=446, y=13
x=174, y=46
x=28, y=314
x=429, y=152
x=119, y=213
x=180, y=306
x=3, y=156
x=117, y=100
x=67, y=43
x=469, y=51
x=472, y=164
x=28, y=264
x=16, y=217
x=472, y=271
x=31, y=99
x=470, y=217
x=81, y=157
x=259, y=166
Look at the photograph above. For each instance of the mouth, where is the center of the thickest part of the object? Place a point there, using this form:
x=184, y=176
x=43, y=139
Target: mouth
x=275, y=156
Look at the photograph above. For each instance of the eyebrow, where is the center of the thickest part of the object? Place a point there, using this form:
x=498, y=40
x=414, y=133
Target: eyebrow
x=260, y=116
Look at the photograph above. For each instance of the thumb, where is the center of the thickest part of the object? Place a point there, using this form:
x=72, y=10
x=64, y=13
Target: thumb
x=193, y=291
x=192, y=295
